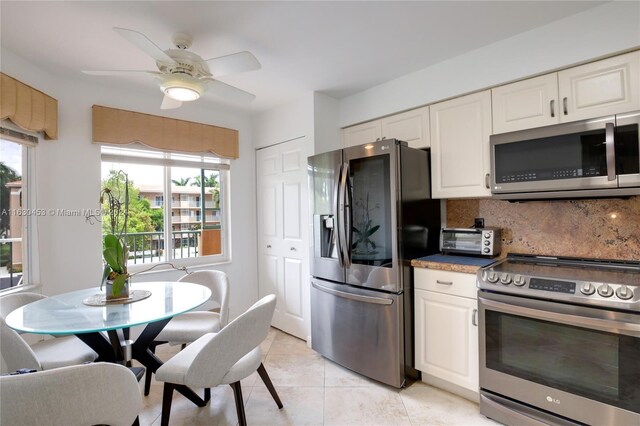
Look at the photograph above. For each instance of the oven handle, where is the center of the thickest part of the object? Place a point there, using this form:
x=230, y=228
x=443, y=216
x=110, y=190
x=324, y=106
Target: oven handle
x=610, y=149
x=565, y=318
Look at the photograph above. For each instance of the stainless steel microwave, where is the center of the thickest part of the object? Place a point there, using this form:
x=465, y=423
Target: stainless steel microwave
x=591, y=158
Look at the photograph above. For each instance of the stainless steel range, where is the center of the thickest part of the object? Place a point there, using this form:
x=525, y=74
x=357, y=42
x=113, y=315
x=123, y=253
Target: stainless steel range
x=560, y=341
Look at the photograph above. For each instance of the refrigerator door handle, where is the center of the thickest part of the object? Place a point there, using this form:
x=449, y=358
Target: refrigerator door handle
x=342, y=221
x=347, y=213
x=351, y=296
x=339, y=218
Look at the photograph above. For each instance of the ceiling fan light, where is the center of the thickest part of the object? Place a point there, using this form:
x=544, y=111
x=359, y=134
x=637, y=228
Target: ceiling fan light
x=183, y=94
x=182, y=87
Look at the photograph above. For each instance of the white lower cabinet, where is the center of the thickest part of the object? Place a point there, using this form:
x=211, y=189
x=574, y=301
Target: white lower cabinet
x=446, y=332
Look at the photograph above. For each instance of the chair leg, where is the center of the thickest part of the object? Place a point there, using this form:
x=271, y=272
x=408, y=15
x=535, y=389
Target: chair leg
x=237, y=393
x=167, y=396
x=267, y=381
x=136, y=422
x=147, y=376
x=207, y=395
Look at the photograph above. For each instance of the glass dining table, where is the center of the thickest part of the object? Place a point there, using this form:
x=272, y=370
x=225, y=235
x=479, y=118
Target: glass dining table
x=68, y=313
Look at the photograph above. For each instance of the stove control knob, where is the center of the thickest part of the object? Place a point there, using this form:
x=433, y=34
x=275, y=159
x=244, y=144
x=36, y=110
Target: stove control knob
x=486, y=250
x=505, y=278
x=587, y=289
x=487, y=235
x=519, y=280
x=624, y=293
x=492, y=277
x=486, y=243
x=605, y=290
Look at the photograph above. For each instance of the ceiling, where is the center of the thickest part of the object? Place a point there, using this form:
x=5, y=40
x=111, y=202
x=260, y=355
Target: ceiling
x=338, y=48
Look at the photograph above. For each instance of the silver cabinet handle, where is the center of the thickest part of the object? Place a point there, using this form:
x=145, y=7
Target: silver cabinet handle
x=564, y=105
x=292, y=249
x=553, y=107
x=474, y=317
x=610, y=151
x=444, y=282
x=486, y=181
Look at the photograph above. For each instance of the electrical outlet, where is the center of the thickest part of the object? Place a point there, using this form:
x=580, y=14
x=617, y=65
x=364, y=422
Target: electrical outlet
x=478, y=222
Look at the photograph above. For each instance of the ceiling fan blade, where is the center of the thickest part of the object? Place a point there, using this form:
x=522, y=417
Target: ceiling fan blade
x=225, y=91
x=170, y=103
x=143, y=43
x=233, y=64
x=120, y=72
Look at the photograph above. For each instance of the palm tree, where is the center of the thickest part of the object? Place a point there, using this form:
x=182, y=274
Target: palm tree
x=210, y=181
x=181, y=181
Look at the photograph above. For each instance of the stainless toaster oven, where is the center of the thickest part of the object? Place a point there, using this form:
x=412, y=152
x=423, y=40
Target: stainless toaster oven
x=474, y=241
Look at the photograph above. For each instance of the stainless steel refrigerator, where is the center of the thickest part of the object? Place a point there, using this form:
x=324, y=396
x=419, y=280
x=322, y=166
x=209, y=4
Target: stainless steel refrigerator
x=372, y=214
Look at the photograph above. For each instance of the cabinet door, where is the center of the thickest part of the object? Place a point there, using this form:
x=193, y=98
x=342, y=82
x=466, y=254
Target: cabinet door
x=362, y=133
x=610, y=86
x=460, y=130
x=411, y=127
x=282, y=233
x=447, y=337
x=525, y=104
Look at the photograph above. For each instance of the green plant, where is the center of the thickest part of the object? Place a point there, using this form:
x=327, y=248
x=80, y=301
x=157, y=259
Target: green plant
x=115, y=252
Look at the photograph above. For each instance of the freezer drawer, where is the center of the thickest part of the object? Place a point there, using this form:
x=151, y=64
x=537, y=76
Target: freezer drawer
x=359, y=329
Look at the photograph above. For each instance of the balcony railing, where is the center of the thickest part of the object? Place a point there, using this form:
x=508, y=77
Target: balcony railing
x=148, y=247
x=10, y=262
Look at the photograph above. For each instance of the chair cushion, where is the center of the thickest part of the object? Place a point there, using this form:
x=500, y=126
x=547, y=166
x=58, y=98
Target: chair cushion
x=244, y=367
x=62, y=352
x=189, y=327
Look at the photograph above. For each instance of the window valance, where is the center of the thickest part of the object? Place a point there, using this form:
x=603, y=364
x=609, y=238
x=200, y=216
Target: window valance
x=27, y=107
x=122, y=127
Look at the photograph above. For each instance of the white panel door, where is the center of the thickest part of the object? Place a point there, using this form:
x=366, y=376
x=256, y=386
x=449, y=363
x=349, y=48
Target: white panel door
x=282, y=233
x=610, y=86
x=525, y=104
x=447, y=337
x=460, y=130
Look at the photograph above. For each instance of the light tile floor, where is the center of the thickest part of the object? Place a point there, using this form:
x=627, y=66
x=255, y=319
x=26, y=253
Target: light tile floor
x=314, y=391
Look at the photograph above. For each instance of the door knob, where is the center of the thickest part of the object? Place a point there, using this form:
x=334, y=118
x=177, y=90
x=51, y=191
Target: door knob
x=292, y=249
x=268, y=245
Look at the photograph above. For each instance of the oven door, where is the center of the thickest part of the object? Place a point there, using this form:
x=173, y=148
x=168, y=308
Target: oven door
x=576, y=362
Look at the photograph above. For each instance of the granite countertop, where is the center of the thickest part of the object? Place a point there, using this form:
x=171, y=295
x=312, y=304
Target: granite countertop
x=443, y=262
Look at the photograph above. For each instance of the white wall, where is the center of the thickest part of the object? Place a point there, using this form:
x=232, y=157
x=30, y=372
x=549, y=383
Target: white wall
x=326, y=118
x=285, y=122
x=68, y=177
x=597, y=32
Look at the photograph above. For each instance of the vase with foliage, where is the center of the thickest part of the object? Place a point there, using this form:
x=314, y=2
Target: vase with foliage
x=115, y=251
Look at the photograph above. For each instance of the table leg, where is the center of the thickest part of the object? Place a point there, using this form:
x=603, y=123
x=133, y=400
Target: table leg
x=100, y=345
x=141, y=352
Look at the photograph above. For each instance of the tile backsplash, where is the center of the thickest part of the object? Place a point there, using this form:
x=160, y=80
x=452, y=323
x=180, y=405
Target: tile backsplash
x=599, y=228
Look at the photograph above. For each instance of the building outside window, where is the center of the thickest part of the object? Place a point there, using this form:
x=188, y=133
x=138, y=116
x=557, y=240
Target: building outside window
x=185, y=232
x=17, y=212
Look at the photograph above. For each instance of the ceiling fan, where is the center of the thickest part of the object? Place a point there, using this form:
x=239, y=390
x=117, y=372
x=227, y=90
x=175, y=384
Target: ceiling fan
x=184, y=76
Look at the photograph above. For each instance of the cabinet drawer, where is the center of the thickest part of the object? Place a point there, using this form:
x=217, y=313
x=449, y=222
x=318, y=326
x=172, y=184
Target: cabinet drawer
x=446, y=282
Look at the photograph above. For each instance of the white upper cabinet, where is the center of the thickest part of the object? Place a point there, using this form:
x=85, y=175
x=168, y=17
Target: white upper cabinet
x=362, y=133
x=411, y=127
x=606, y=87
x=525, y=104
x=610, y=86
x=460, y=130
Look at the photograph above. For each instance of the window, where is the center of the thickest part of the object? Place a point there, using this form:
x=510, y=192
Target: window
x=186, y=231
x=17, y=213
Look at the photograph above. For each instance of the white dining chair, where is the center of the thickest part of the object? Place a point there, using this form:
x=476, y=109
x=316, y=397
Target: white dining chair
x=87, y=394
x=43, y=355
x=190, y=326
x=220, y=358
